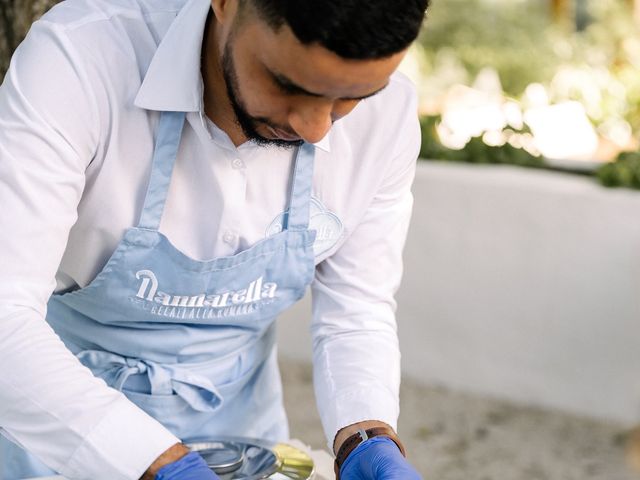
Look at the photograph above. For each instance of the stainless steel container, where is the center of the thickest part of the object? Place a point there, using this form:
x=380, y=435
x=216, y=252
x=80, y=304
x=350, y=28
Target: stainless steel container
x=235, y=458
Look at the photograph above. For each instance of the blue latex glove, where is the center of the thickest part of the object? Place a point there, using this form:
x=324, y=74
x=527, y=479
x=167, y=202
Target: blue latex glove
x=190, y=467
x=378, y=458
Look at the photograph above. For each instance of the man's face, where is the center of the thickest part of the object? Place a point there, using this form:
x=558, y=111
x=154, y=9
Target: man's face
x=284, y=92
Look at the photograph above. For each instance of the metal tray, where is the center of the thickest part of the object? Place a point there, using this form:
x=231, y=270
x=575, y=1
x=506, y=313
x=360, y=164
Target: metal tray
x=234, y=458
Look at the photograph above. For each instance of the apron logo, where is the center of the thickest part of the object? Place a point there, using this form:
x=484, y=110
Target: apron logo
x=236, y=302
x=328, y=227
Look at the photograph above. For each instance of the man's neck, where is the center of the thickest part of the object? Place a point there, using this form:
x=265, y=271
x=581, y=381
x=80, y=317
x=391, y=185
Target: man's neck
x=217, y=106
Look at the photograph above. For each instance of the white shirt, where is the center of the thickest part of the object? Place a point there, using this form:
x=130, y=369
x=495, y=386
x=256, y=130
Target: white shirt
x=78, y=111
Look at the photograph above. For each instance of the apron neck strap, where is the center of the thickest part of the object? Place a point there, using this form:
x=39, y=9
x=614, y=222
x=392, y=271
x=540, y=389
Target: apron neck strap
x=164, y=156
x=298, y=214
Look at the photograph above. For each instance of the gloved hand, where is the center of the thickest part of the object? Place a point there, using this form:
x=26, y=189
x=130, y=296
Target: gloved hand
x=378, y=458
x=190, y=467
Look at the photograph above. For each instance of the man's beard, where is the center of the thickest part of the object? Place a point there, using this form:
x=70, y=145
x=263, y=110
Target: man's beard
x=247, y=123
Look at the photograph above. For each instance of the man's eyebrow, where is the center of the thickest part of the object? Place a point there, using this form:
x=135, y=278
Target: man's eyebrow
x=292, y=88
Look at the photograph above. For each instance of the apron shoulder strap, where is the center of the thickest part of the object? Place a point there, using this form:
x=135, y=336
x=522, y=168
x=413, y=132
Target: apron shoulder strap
x=164, y=158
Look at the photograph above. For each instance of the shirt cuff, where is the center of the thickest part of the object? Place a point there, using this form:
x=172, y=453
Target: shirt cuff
x=357, y=406
x=121, y=446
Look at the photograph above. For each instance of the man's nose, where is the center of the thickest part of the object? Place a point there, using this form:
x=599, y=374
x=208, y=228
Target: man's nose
x=312, y=121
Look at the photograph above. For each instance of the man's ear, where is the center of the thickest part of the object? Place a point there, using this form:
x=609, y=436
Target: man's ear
x=224, y=10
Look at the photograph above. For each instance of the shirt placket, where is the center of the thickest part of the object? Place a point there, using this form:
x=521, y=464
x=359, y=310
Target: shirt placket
x=234, y=192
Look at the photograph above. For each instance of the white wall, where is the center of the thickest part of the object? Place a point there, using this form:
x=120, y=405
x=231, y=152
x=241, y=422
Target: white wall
x=522, y=284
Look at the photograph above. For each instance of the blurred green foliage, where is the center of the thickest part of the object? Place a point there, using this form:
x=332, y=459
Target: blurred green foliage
x=624, y=172
x=475, y=151
x=519, y=39
x=515, y=37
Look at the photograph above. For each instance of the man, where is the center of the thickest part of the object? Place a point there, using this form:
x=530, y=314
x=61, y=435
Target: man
x=173, y=174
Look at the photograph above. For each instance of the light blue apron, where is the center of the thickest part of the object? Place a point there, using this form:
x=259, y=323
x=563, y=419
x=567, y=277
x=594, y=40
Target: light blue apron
x=190, y=342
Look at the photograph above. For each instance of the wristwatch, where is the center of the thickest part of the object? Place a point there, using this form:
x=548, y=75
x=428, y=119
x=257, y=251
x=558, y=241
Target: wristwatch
x=360, y=436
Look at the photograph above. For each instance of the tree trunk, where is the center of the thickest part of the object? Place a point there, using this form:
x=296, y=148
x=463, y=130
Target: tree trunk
x=561, y=10
x=16, y=16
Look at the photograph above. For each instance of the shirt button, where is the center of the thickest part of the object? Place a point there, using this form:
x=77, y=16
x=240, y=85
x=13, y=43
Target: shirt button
x=229, y=237
x=237, y=164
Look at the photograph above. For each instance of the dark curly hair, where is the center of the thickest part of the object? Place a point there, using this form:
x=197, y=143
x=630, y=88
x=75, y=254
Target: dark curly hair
x=355, y=29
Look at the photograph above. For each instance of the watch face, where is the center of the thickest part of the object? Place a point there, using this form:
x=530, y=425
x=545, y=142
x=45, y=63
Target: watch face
x=234, y=458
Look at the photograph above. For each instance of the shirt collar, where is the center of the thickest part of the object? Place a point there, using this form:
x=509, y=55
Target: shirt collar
x=325, y=143
x=173, y=81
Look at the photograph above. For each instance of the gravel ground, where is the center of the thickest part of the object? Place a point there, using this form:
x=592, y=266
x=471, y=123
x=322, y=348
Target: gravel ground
x=454, y=436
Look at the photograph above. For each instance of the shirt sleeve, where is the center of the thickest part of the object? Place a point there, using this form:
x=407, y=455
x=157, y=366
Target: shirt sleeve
x=49, y=403
x=355, y=344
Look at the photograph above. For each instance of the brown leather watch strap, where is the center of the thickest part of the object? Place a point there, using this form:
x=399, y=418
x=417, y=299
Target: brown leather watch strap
x=360, y=436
